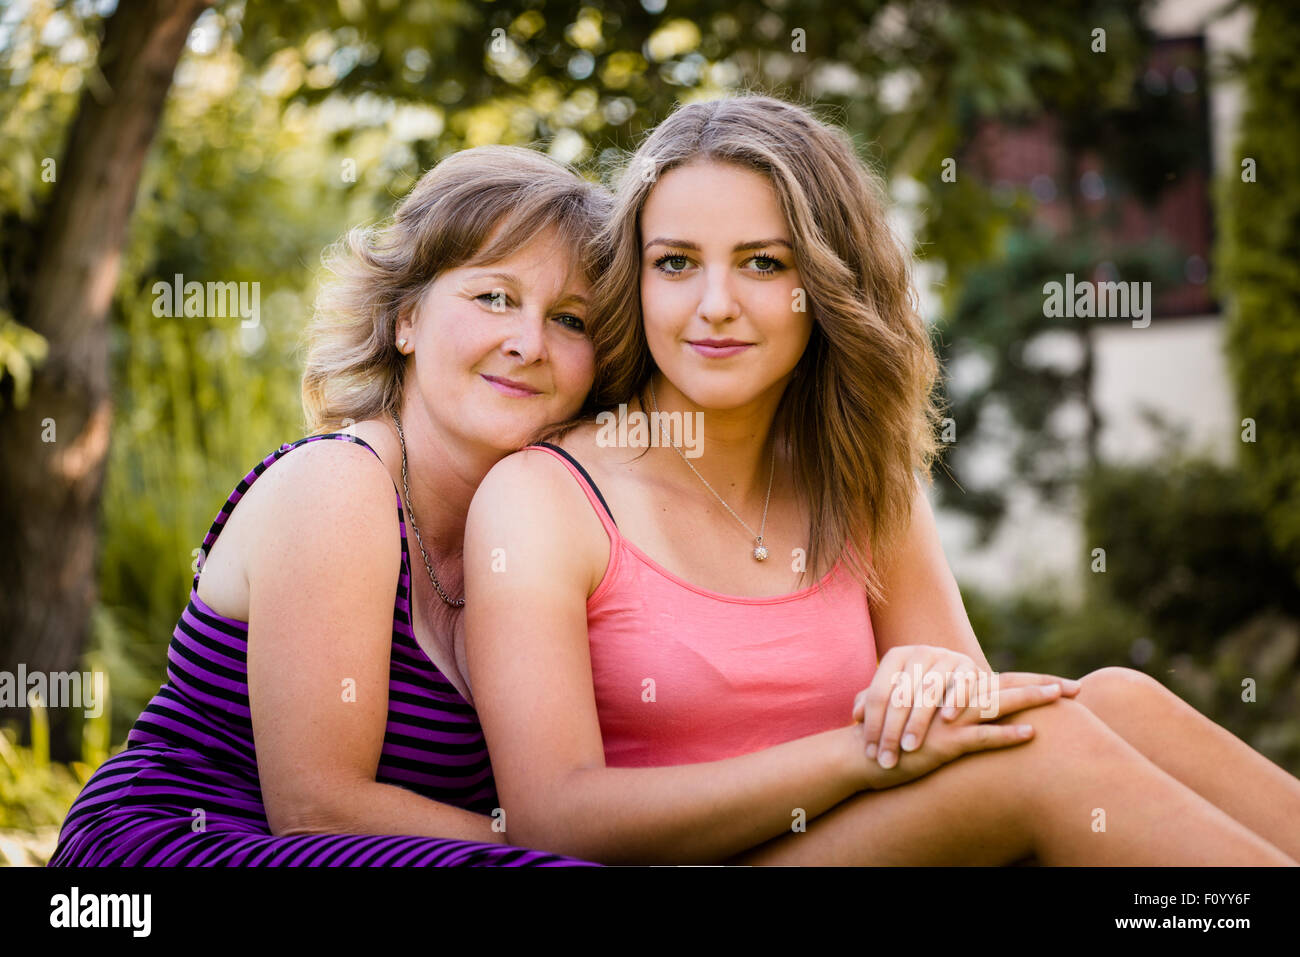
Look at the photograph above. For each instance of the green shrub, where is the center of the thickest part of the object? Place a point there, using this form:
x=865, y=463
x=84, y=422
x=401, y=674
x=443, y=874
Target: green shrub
x=1259, y=257
x=1187, y=547
x=1193, y=594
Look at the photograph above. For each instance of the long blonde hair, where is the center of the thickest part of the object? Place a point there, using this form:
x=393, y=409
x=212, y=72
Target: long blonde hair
x=376, y=273
x=860, y=414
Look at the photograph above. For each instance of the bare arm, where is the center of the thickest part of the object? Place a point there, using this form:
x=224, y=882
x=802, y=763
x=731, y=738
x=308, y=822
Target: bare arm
x=526, y=640
x=924, y=605
x=924, y=622
x=322, y=572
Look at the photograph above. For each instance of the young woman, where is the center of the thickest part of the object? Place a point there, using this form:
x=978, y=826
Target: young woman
x=687, y=654
x=450, y=336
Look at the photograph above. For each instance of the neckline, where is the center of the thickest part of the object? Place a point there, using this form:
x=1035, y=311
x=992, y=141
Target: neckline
x=618, y=540
x=719, y=596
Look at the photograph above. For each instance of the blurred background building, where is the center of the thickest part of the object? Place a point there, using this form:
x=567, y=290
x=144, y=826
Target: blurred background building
x=1172, y=375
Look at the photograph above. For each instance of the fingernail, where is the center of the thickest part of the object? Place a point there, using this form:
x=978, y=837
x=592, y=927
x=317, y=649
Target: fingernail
x=949, y=711
x=886, y=759
x=1024, y=730
x=909, y=742
x=871, y=750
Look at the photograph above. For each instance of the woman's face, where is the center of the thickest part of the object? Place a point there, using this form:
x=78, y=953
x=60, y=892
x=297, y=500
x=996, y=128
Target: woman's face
x=719, y=284
x=501, y=350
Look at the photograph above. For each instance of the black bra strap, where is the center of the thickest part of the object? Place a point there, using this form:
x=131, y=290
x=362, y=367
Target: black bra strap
x=583, y=473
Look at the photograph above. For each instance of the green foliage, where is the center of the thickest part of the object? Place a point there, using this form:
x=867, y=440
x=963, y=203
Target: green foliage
x=1192, y=594
x=1048, y=634
x=1260, y=257
x=43, y=57
x=35, y=793
x=1044, y=631
x=1187, y=551
x=1186, y=547
x=21, y=350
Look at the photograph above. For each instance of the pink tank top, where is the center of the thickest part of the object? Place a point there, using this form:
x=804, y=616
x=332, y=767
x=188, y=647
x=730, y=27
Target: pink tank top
x=684, y=675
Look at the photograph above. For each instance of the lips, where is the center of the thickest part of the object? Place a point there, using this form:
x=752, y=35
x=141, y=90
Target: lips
x=510, y=387
x=719, y=348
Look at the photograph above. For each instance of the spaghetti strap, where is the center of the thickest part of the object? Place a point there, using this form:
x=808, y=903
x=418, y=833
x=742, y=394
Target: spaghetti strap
x=588, y=486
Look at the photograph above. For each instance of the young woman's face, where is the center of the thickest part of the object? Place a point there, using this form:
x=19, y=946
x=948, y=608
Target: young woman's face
x=501, y=350
x=718, y=285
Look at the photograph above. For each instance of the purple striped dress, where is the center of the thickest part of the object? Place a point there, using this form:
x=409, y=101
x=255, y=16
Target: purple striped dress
x=185, y=790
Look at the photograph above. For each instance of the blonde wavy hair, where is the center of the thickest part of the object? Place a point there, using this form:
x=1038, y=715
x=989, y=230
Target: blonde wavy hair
x=374, y=274
x=860, y=414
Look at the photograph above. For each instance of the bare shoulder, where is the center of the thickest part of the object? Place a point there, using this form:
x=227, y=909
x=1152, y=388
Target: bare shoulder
x=316, y=501
x=530, y=482
x=325, y=473
x=530, y=499
x=329, y=494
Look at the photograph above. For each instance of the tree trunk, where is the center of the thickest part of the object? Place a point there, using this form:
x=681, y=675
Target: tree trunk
x=53, y=450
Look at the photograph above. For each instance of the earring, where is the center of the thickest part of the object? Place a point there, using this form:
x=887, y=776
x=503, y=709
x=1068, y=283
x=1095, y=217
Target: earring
x=401, y=345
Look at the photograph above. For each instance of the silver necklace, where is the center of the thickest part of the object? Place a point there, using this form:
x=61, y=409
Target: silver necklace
x=406, y=486
x=760, y=550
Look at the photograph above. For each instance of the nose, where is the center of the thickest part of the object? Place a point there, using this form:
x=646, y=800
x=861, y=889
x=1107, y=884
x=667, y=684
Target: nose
x=526, y=342
x=718, y=303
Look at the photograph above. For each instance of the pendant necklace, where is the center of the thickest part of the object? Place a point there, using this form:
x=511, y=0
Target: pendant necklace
x=760, y=550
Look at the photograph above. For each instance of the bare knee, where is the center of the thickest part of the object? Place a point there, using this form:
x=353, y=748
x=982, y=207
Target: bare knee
x=1071, y=752
x=1066, y=732
x=1118, y=678
x=1117, y=692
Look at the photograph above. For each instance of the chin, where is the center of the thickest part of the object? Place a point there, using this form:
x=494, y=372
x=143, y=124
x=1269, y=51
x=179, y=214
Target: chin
x=719, y=396
x=508, y=437
x=508, y=443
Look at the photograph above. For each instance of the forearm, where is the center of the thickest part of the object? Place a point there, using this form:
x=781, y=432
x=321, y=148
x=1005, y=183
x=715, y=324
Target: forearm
x=375, y=808
x=689, y=814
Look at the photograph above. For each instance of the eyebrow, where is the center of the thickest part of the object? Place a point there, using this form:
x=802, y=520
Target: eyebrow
x=513, y=280
x=739, y=247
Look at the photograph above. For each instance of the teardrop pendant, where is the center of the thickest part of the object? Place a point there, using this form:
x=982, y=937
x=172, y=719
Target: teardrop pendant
x=760, y=552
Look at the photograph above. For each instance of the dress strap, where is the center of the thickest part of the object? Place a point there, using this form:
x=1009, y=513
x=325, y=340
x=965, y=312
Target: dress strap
x=588, y=486
x=246, y=482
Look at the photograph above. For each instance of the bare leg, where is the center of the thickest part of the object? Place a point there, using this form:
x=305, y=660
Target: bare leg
x=1048, y=798
x=1203, y=755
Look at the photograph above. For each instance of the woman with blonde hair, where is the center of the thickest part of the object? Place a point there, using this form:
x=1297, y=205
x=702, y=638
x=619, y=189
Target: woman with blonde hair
x=448, y=337
x=750, y=649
